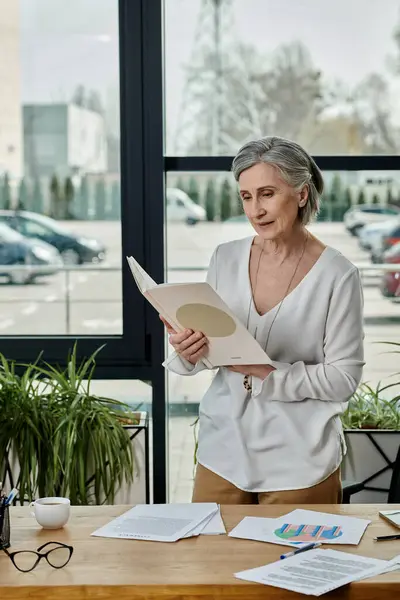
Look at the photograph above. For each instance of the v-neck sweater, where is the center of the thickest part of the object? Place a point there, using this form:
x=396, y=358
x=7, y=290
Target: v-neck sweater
x=286, y=434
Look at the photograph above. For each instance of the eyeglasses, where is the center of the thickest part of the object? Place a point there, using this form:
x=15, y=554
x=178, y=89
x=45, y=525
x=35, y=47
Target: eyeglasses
x=27, y=560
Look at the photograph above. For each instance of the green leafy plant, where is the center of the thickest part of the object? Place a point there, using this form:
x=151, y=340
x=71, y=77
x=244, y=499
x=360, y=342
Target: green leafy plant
x=368, y=408
x=62, y=439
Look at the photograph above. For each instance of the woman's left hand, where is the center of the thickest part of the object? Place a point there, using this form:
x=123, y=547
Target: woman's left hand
x=260, y=371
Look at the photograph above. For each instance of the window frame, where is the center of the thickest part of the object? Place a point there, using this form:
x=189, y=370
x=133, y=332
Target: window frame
x=129, y=354
x=139, y=352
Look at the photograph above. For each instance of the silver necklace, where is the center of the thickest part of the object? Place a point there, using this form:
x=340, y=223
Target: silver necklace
x=246, y=379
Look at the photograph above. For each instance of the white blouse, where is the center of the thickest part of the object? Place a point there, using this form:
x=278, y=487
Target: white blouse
x=287, y=433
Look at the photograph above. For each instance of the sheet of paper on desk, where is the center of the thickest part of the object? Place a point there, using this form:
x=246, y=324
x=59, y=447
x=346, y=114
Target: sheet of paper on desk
x=213, y=525
x=315, y=572
x=301, y=527
x=253, y=528
x=320, y=527
x=159, y=522
x=392, y=565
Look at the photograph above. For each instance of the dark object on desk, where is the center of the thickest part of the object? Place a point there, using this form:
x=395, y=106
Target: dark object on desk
x=350, y=488
x=383, y=538
x=4, y=525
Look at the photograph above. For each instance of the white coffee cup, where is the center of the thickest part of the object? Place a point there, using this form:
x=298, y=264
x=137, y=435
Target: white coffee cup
x=51, y=513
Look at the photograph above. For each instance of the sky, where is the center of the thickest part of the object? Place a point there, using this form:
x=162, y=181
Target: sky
x=64, y=43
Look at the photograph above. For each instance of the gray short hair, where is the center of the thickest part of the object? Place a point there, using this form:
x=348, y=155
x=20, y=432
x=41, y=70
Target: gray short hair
x=295, y=165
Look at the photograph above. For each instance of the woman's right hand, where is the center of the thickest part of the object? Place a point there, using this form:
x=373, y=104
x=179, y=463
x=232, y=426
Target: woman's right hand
x=190, y=345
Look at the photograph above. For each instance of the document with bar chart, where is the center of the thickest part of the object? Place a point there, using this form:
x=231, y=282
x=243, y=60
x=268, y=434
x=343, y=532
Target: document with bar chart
x=308, y=533
x=302, y=527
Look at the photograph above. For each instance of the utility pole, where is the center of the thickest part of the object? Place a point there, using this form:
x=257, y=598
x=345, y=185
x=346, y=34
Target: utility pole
x=205, y=78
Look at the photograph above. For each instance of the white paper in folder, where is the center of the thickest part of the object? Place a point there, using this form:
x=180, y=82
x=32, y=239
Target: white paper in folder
x=197, y=306
x=160, y=522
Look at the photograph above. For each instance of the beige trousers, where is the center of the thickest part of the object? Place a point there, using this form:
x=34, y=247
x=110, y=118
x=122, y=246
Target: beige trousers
x=209, y=487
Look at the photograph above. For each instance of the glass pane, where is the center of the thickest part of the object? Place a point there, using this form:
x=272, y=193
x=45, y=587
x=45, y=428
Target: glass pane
x=311, y=71
x=137, y=395
x=59, y=163
x=367, y=239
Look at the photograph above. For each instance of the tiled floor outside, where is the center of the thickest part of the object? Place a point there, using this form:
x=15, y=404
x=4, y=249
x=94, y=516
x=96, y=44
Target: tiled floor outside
x=181, y=466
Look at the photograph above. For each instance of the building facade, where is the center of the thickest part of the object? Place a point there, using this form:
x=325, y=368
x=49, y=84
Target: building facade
x=63, y=140
x=10, y=95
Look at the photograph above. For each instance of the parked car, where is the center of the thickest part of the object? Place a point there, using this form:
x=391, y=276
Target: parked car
x=182, y=208
x=371, y=235
x=363, y=214
x=390, y=282
x=390, y=238
x=36, y=258
x=74, y=249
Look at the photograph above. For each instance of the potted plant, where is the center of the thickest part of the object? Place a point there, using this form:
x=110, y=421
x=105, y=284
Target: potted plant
x=59, y=439
x=371, y=426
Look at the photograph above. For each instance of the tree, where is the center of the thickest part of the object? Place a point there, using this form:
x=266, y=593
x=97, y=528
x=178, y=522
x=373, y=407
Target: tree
x=83, y=200
x=210, y=203
x=336, y=191
x=374, y=115
x=347, y=201
x=244, y=94
x=69, y=194
x=372, y=105
x=361, y=196
x=55, y=198
x=323, y=213
x=237, y=203
x=180, y=185
x=375, y=199
x=37, y=196
x=389, y=196
x=94, y=102
x=193, y=190
x=100, y=200
x=336, y=198
x=23, y=196
x=6, y=192
x=115, y=213
x=292, y=87
x=79, y=96
x=226, y=201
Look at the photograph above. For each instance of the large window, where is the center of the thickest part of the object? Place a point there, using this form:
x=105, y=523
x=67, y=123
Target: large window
x=59, y=162
x=61, y=190
x=323, y=73
x=190, y=247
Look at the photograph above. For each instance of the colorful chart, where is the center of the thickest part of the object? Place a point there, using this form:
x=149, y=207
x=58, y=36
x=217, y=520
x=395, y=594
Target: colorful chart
x=308, y=533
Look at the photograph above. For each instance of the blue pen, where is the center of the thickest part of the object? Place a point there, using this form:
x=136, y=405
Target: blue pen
x=304, y=548
x=11, y=496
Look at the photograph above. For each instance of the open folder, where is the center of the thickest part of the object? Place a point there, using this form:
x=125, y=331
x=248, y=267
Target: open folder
x=198, y=307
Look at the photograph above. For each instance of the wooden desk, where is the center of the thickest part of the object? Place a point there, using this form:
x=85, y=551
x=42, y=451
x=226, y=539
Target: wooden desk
x=193, y=569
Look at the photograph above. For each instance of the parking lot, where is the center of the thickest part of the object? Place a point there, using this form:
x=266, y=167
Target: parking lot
x=94, y=296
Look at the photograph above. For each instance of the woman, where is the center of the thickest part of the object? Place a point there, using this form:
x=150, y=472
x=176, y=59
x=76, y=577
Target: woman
x=272, y=433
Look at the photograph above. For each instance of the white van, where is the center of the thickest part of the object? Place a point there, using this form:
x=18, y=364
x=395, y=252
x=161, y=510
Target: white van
x=182, y=208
